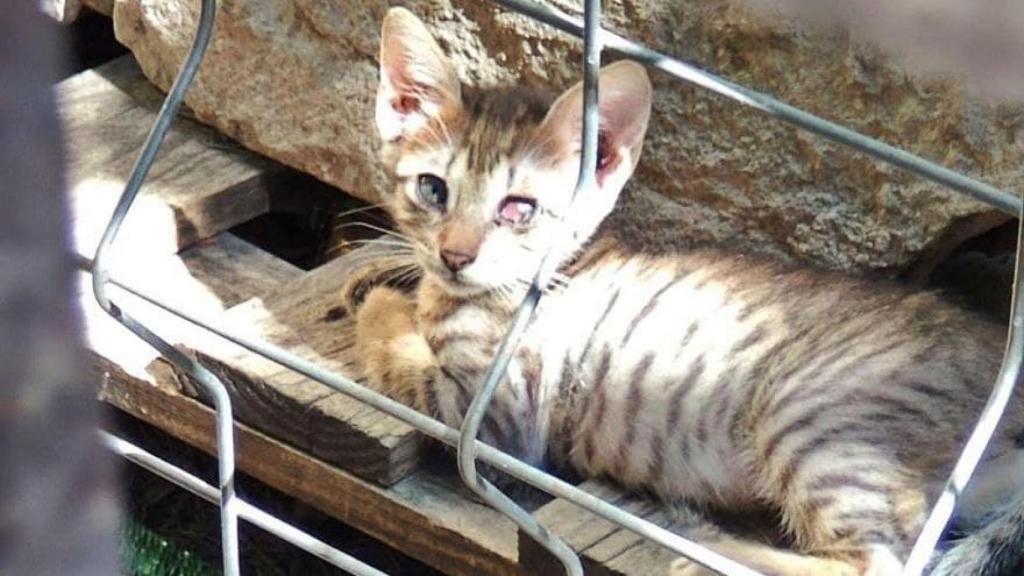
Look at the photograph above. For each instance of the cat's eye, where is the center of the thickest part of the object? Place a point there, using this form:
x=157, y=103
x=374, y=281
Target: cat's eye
x=432, y=190
x=516, y=209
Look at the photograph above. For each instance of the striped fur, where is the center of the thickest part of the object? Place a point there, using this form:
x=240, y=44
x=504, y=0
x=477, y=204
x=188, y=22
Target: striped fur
x=709, y=377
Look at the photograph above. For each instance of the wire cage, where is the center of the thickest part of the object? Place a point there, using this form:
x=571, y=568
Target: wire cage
x=470, y=450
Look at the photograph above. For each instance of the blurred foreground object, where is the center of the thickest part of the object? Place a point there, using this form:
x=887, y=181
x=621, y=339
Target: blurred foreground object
x=57, y=510
x=63, y=11
x=981, y=41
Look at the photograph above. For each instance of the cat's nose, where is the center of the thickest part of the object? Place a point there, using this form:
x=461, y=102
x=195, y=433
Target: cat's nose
x=456, y=261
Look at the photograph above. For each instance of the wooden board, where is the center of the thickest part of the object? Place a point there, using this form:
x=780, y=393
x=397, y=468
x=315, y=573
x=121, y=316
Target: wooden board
x=302, y=317
x=604, y=548
x=208, y=278
x=200, y=184
x=425, y=516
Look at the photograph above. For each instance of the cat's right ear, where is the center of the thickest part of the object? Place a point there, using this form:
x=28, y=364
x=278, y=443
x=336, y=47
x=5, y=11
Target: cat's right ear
x=417, y=81
x=624, y=106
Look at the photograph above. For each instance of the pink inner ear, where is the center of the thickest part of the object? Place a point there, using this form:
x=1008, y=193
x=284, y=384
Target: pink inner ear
x=405, y=104
x=603, y=152
x=607, y=159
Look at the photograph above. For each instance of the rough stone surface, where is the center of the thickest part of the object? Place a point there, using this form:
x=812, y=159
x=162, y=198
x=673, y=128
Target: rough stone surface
x=295, y=79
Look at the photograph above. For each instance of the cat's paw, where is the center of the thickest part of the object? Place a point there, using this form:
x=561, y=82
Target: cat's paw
x=393, y=357
x=366, y=278
x=385, y=314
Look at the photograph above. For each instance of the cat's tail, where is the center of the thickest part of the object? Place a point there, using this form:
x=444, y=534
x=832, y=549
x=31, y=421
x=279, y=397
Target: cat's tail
x=995, y=550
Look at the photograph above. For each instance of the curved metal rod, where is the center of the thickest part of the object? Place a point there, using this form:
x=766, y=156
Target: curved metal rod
x=246, y=511
x=1004, y=201
x=101, y=277
x=974, y=449
x=467, y=452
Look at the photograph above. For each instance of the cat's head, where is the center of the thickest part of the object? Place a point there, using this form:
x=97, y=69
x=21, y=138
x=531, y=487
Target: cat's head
x=483, y=177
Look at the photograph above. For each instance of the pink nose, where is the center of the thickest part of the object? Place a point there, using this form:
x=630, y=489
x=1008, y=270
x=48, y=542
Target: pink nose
x=456, y=261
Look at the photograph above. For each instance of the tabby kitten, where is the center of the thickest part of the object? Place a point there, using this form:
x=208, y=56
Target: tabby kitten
x=703, y=376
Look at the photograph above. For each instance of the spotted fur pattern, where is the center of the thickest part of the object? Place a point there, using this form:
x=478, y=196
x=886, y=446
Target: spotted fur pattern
x=706, y=376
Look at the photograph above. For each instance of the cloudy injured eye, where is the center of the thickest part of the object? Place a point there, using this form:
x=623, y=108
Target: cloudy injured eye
x=516, y=209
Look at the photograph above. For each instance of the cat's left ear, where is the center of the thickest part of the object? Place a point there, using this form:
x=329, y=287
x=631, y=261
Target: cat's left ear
x=417, y=81
x=624, y=106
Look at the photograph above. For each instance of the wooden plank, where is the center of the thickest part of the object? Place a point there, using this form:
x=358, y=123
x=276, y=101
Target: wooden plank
x=604, y=548
x=206, y=279
x=302, y=317
x=427, y=516
x=201, y=184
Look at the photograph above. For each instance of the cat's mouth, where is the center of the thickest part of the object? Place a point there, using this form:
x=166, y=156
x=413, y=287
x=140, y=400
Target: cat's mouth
x=456, y=283
x=461, y=286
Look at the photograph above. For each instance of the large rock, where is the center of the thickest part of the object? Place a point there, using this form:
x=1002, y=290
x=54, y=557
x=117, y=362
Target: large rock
x=295, y=80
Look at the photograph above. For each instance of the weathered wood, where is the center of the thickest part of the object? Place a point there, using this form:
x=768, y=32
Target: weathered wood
x=426, y=515
x=206, y=279
x=604, y=548
x=303, y=316
x=200, y=184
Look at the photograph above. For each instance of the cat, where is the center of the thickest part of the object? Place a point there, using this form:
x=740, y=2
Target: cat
x=704, y=376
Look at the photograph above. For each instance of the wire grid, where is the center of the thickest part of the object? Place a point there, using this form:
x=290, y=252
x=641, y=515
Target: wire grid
x=470, y=450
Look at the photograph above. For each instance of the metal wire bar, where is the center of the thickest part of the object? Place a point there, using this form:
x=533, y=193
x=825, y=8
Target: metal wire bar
x=101, y=277
x=443, y=433
x=246, y=511
x=467, y=453
x=1009, y=376
x=1005, y=201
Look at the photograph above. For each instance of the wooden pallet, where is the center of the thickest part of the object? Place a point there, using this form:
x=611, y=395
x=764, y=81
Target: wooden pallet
x=604, y=548
x=301, y=316
x=348, y=460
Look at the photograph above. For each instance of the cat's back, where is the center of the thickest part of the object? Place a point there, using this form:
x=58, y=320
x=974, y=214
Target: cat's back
x=783, y=323
x=784, y=347
x=804, y=301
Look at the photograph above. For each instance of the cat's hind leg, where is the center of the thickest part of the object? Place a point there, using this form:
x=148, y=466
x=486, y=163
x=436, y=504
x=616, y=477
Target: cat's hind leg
x=850, y=502
x=775, y=561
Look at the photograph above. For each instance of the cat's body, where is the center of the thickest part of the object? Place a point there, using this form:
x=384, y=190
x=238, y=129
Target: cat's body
x=715, y=378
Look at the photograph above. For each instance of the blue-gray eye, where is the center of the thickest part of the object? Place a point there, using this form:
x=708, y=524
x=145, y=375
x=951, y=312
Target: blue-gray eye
x=432, y=190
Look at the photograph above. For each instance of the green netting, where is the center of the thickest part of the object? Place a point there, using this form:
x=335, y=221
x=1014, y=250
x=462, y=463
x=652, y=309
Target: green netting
x=146, y=553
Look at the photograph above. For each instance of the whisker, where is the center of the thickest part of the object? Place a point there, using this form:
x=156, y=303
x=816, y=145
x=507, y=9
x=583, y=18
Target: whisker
x=387, y=263
x=382, y=251
x=382, y=242
x=358, y=210
x=373, y=227
x=402, y=269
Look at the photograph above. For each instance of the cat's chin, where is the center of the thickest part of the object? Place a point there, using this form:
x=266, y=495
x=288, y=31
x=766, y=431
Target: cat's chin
x=458, y=286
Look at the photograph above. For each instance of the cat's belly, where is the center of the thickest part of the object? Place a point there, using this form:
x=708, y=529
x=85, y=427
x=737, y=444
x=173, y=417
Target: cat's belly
x=673, y=463
x=649, y=422
x=655, y=377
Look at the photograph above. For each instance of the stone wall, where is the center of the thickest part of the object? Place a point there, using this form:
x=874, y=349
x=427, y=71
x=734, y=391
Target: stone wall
x=295, y=80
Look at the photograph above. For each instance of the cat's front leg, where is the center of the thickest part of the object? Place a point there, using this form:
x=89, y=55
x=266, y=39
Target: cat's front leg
x=394, y=357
